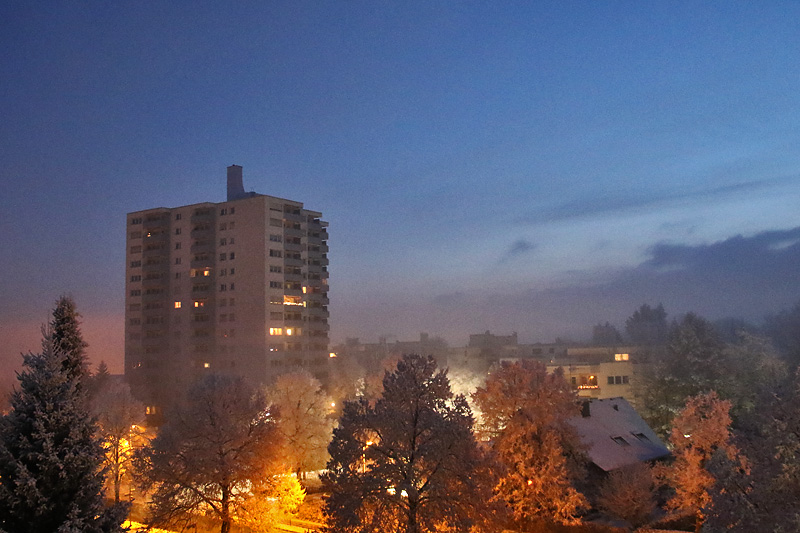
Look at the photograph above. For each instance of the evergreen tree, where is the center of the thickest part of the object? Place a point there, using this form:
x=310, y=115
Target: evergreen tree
x=50, y=457
x=647, y=326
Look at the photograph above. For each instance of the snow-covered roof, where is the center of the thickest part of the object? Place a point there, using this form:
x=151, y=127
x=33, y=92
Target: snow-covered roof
x=616, y=435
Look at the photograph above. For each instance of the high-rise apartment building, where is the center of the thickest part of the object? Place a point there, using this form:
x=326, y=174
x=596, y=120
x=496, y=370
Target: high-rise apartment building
x=238, y=287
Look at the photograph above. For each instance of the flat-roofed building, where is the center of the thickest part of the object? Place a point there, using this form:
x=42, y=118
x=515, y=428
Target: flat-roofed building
x=237, y=287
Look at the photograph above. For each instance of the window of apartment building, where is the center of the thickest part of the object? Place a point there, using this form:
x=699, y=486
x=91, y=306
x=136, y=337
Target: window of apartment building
x=233, y=210
x=276, y=315
x=621, y=441
x=136, y=278
x=135, y=221
x=232, y=241
x=233, y=286
x=136, y=249
x=231, y=225
x=177, y=276
x=177, y=216
x=135, y=321
x=223, y=272
x=275, y=268
x=232, y=256
x=223, y=287
x=621, y=357
x=223, y=242
x=136, y=292
x=199, y=303
x=276, y=299
x=223, y=226
x=177, y=246
x=233, y=271
x=276, y=331
x=275, y=238
x=134, y=307
x=222, y=256
x=276, y=222
x=223, y=317
x=135, y=264
x=275, y=253
x=275, y=285
x=136, y=235
x=223, y=211
x=177, y=260
x=177, y=305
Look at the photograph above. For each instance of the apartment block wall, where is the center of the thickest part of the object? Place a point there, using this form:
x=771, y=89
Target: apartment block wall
x=237, y=287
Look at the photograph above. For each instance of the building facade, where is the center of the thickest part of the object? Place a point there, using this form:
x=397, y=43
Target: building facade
x=238, y=287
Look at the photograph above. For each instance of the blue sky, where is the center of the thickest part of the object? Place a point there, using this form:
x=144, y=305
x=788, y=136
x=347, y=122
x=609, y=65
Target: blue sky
x=514, y=166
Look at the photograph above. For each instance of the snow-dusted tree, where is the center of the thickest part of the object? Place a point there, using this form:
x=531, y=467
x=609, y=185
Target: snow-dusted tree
x=51, y=460
x=700, y=430
x=694, y=363
x=408, y=464
x=303, y=420
x=214, y=455
x=525, y=412
x=758, y=498
x=118, y=417
x=628, y=493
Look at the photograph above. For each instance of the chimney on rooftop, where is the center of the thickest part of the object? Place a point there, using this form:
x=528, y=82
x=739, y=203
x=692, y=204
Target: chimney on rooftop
x=235, y=185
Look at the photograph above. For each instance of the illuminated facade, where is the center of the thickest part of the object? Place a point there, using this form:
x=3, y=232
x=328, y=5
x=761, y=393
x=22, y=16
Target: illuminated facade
x=238, y=287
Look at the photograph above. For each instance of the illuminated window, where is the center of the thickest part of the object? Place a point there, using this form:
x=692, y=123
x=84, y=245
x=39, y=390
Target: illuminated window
x=293, y=300
x=206, y=365
x=276, y=331
x=621, y=357
x=332, y=355
x=177, y=305
x=199, y=303
x=289, y=331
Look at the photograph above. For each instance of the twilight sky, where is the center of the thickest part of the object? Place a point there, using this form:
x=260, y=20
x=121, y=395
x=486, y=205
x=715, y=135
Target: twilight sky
x=515, y=166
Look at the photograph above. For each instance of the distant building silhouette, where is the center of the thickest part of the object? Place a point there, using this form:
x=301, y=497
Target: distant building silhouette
x=238, y=287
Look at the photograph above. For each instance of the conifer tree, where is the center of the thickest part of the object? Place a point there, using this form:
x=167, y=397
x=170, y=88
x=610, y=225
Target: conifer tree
x=50, y=457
